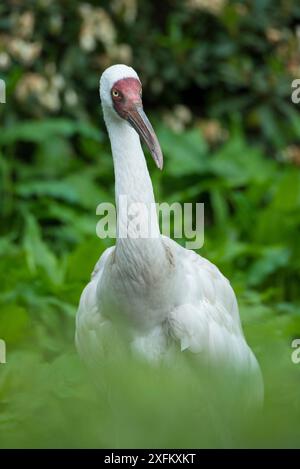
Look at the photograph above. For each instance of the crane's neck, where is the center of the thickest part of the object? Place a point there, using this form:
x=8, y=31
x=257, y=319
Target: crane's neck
x=139, y=241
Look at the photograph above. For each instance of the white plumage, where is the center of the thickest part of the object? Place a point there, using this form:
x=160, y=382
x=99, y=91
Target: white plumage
x=165, y=295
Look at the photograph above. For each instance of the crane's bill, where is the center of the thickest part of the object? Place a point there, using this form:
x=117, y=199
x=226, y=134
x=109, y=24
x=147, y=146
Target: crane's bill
x=140, y=122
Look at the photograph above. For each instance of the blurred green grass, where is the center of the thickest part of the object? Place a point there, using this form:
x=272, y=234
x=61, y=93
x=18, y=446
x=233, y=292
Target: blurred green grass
x=52, y=403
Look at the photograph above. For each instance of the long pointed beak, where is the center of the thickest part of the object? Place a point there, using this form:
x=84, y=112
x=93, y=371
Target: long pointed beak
x=140, y=122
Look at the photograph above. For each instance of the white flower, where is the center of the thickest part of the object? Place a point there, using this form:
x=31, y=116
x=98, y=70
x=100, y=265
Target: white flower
x=183, y=113
x=178, y=119
x=87, y=39
x=71, y=98
x=121, y=53
x=58, y=82
x=50, y=100
x=212, y=131
x=37, y=86
x=214, y=7
x=126, y=8
x=4, y=60
x=30, y=84
x=26, y=52
x=24, y=24
x=97, y=26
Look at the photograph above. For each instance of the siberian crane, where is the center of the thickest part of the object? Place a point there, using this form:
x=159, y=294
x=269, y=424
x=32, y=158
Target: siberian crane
x=166, y=295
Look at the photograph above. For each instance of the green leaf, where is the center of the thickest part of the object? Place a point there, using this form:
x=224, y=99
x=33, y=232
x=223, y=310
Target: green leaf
x=287, y=192
x=77, y=188
x=239, y=164
x=13, y=323
x=185, y=153
x=82, y=261
x=37, y=252
x=271, y=260
x=39, y=131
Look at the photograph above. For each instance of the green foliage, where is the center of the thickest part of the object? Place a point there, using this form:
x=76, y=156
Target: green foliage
x=232, y=66
x=48, y=250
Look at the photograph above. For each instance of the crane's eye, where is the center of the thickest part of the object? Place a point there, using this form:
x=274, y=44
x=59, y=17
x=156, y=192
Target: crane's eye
x=115, y=93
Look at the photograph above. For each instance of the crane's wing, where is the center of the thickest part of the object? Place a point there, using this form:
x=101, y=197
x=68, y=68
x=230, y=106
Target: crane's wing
x=89, y=320
x=208, y=323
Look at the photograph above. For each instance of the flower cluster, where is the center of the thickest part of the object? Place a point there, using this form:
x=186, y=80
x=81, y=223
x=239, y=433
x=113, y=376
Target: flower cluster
x=178, y=119
x=214, y=7
x=96, y=26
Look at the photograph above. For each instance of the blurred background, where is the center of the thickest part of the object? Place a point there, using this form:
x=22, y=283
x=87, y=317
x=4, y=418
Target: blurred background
x=217, y=78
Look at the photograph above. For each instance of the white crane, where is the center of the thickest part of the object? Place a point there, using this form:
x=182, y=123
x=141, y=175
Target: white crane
x=165, y=294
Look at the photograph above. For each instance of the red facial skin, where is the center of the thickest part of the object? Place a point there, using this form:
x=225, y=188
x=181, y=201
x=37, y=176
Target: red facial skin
x=126, y=95
x=129, y=95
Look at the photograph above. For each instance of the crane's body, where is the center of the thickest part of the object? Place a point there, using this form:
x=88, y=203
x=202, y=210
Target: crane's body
x=165, y=294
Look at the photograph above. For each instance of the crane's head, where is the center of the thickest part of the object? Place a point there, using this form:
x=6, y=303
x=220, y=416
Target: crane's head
x=121, y=97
